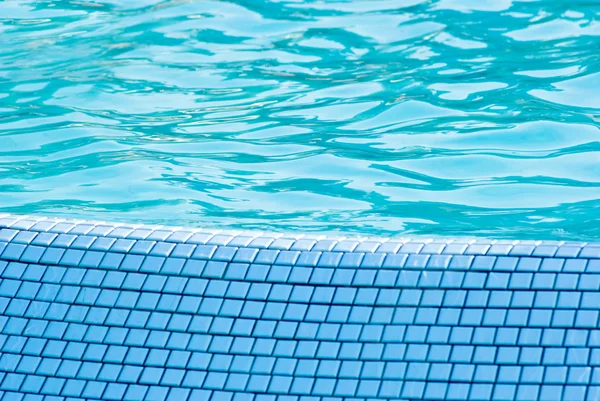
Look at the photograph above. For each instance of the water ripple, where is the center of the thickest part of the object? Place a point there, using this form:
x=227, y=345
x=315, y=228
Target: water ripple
x=435, y=117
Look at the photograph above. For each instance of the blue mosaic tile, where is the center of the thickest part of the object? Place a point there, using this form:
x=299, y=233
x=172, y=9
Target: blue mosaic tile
x=303, y=245
x=62, y=227
x=102, y=312
x=102, y=244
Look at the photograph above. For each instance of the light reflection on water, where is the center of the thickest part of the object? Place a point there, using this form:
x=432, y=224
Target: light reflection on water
x=448, y=117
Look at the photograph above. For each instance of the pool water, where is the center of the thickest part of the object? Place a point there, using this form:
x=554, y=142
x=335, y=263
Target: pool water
x=380, y=117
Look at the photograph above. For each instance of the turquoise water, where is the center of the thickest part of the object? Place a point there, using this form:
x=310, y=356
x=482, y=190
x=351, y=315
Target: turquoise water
x=386, y=117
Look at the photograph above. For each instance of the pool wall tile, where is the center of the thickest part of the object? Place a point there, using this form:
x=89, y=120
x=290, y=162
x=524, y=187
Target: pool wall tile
x=101, y=311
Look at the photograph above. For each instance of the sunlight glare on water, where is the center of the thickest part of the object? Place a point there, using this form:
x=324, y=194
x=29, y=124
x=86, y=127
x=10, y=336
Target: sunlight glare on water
x=380, y=117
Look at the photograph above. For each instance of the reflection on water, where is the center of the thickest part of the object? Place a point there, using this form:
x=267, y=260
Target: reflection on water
x=447, y=117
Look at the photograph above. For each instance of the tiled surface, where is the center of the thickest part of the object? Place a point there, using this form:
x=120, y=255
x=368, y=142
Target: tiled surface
x=116, y=312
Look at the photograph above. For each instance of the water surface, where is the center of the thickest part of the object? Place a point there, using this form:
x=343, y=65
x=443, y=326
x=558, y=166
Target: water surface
x=381, y=117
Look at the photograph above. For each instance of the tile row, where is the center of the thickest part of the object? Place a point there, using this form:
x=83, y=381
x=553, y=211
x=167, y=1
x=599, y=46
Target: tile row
x=195, y=314
x=203, y=296
x=139, y=231
x=14, y=226
x=115, y=288
x=547, y=347
x=64, y=318
x=315, y=304
x=480, y=365
x=194, y=277
x=131, y=257
x=189, y=313
x=292, y=389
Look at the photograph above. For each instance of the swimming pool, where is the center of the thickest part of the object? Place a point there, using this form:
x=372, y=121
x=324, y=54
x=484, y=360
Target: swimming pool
x=436, y=118
x=405, y=127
